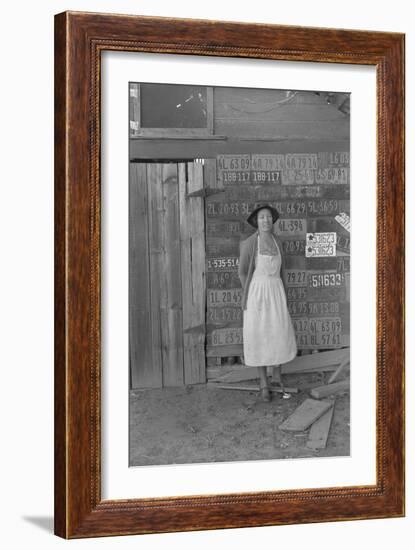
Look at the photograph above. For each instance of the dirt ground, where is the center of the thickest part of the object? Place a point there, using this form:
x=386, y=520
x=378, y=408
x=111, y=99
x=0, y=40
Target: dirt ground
x=204, y=424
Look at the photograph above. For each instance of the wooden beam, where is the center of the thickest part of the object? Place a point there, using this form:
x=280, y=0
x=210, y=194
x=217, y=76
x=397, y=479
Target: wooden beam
x=307, y=413
x=248, y=388
x=244, y=373
x=239, y=373
x=330, y=389
x=224, y=351
x=319, y=431
x=316, y=361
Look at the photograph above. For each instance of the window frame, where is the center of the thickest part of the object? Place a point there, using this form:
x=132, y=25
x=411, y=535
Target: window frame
x=137, y=131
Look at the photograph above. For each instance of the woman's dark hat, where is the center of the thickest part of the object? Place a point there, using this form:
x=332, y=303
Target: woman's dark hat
x=252, y=218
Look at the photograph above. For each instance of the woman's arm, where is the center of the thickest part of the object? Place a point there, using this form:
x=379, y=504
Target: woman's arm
x=243, y=262
x=283, y=264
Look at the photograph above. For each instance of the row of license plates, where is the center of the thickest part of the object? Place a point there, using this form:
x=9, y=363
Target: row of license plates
x=286, y=209
x=230, y=313
x=296, y=300
x=331, y=176
x=280, y=161
x=317, y=327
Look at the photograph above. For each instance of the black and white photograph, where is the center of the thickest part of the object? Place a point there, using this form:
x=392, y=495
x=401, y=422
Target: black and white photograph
x=239, y=274
x=198, y=352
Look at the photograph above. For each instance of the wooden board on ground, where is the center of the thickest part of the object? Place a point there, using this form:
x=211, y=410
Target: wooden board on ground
x=219, y=371
x=330, y=389
x=316, y=361
x=319, y=431
x=248, y=387
x=337, y=372
x=307, y=413
x=308, y=385
x=244, y=373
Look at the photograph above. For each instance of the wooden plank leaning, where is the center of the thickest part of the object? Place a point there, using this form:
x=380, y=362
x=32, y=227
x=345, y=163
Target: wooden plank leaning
x=330, y=389
x=316, y=361
x=325, y=361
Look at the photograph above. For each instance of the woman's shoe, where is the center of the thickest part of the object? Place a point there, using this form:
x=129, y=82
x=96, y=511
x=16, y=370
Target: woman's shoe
x=265, y=394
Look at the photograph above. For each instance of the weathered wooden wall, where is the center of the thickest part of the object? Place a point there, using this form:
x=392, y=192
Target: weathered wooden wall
x=275, y=114
x=289, y=148
x=254, y=121
x=166, y=275
x=309, y=190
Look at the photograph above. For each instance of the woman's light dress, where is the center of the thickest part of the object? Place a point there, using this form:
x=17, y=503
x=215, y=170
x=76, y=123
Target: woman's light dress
x=268, y=333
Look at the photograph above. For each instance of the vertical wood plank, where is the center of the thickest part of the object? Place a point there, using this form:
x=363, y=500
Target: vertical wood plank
x=185, y=253
x=171, y=306
x=156, y=245
x=141, y=364
x=197, y=217
x=192, y=237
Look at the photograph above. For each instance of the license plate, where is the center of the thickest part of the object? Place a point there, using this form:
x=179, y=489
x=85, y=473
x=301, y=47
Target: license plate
x=297, y=293
x=268, y=162
x=231, y=297
x=320, y=245
x=232, y=209
x=222, y=279
x=301, y=161
x=231, y=163
x=291, y=227
x=333, y=176
x=223, y=264
x=323, y=279
x=298, y=177
x=295, y=247
x=223, y=315
x=295, y=277
x=321, y=341
x=225, y=337
x=262, y=177
x=223, y=229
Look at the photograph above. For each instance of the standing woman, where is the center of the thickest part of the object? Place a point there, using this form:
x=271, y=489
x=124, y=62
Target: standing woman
x=268, y=334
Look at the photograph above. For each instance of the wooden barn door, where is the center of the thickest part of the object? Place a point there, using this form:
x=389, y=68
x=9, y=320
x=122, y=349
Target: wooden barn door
x=166, y=275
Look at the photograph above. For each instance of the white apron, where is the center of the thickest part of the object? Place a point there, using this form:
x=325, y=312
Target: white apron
x=268, y=333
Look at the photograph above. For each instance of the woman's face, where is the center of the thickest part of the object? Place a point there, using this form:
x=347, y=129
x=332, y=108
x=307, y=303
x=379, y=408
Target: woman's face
x=264, y=219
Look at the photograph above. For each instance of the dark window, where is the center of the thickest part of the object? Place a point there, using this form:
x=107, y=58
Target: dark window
x=173, y=106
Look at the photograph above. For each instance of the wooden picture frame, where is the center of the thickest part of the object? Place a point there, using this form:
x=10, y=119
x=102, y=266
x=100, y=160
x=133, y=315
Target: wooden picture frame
x=79, y=40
